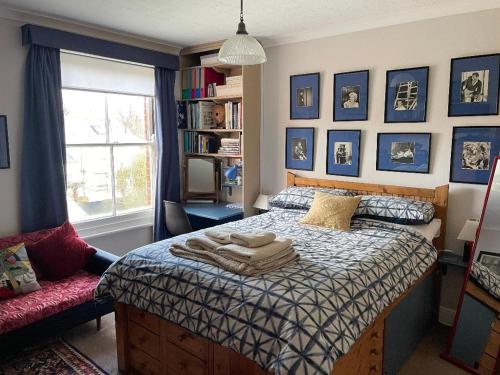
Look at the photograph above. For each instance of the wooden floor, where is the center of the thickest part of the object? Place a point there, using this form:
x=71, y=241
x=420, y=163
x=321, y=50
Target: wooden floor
x=100, y=347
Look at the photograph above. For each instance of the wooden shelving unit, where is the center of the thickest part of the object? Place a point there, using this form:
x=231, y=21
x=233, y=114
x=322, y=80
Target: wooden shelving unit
x=251, y=122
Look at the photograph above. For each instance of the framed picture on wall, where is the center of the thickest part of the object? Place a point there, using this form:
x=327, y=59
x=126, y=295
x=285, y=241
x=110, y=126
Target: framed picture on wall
x=474, y=85
x=403, y=152
x=299, y=148
x=4, y=143
x=406, y=95
x=342, y=152
x=350, y=96
x=304, y=96
x=472, y=153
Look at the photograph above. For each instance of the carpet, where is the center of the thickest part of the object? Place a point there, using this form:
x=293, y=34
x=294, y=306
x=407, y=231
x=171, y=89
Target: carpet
x=57, y=357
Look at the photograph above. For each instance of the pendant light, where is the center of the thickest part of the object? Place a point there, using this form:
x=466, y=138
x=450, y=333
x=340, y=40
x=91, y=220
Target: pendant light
x=242, y=49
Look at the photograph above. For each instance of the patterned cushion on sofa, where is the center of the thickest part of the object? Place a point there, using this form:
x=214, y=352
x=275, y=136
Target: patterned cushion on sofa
x=54, y=297
x=16, y=274
x=395, y=210
x=302, y=197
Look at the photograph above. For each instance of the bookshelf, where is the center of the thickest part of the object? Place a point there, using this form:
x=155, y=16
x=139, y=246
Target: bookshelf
x=250, y=122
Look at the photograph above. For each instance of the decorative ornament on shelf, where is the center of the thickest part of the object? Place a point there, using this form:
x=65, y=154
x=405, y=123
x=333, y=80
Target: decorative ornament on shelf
x=242, y=49
x=218, y=114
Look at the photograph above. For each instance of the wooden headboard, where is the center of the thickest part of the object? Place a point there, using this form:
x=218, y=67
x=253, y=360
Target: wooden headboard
x=438, y=196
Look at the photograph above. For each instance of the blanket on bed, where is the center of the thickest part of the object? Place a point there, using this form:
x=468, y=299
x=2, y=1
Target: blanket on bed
x=295, y=320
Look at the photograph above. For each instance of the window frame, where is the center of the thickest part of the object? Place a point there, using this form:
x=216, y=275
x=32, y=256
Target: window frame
x=117, y=222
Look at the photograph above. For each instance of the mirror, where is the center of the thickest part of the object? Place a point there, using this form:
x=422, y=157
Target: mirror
x=474, y=342
x=201, y=178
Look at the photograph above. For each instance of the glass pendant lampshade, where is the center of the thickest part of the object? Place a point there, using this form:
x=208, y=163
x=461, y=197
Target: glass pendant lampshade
x=242, y=49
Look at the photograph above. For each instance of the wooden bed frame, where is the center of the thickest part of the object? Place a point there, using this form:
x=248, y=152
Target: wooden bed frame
x=148, y=344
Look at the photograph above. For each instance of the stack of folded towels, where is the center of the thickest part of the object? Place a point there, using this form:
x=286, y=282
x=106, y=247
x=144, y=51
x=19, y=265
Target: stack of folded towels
x=249, y=253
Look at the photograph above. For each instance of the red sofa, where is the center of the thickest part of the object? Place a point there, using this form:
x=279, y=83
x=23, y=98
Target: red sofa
x=58, y=305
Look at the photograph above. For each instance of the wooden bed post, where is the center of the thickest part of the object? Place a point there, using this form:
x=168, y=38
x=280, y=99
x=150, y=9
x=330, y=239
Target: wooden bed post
x=122, y=338
x=290, y=179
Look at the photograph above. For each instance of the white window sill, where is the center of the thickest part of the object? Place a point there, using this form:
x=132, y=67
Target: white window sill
x=111, y=225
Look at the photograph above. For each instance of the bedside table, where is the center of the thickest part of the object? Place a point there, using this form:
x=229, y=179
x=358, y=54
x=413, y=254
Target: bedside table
x=449, y=258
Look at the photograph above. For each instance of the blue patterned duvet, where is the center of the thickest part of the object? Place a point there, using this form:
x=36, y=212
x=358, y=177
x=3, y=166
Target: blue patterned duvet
x=297, y=320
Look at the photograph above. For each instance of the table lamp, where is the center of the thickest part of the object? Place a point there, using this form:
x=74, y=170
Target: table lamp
x=262, y=202
x=468, y=234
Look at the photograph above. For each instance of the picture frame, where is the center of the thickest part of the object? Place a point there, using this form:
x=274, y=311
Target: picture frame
x=343, y=152
x=351, y=96
x=473, y=151
x=4, y=143
x=299, y=148
x=304, y=96
x=474, y=86
x=490, y=260
x=404, y=152
x=406, y=95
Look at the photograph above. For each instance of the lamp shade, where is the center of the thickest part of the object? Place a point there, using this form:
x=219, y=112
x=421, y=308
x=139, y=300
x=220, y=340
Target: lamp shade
x=262, y=202
x=242, y=49
x=468, y=232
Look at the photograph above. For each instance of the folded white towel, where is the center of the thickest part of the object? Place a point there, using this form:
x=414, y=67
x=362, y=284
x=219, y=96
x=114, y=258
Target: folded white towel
x=257, y=253
x=202, y=243
x=219, y=235
x=232, y=265
x=252, y=239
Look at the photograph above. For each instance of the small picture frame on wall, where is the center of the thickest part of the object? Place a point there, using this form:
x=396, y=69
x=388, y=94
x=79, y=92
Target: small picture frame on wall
x=304, y=96
x=473, y=151
x=474, y=86
x=342, y=152
x=350, y=96
x=299, y=149
x=406, y=95
x=403, y=152
x=4, y=143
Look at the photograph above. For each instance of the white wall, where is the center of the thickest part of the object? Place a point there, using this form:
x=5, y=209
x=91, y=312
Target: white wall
x=433, y=43
x=12, y=61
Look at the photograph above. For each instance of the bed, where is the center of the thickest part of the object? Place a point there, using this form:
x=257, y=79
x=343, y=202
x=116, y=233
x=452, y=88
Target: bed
x=326, y=313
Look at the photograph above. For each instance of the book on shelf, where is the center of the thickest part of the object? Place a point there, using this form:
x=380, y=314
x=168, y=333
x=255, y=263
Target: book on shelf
x=233, y=115
x=196, y=143
x=180, y=107
x=230, y=146
x=199, y=115
x=195, y=81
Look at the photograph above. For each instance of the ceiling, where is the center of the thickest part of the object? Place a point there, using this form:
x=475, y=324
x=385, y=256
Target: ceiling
x=189, y=22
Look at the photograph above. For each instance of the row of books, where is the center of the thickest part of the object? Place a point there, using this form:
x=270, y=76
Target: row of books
x=199, y=115
x=196, y=143
x=230, y=146
x=195, y=82
x=233, y=115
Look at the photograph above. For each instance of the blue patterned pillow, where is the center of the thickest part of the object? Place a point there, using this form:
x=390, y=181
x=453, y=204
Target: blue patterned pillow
x=395, y=210
x=299, y=197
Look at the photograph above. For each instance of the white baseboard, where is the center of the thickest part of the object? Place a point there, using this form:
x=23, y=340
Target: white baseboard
x=446, y=315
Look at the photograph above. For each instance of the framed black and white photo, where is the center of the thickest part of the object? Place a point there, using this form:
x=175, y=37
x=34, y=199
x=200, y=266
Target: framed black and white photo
x=4, y=143
x=343, y=152
x=304, y=96
x=490, y=260
x=472, y=153
x=474, y=86
x=299, y=148
x=403, y=152
x=406, y=95
x=350, y=96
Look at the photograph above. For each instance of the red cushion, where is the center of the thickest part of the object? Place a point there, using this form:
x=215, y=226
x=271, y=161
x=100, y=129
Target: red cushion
x=61, y=254
x=54, y=297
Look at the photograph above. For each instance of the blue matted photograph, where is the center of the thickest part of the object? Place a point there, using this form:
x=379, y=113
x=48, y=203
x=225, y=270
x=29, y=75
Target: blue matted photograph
x=473, y=151
x=304, y=96
x=406, y=95
x=403, y=152
x=4, y=143
x=299, y=149
x=474, y=86
x=342, y=152
x=350, y=96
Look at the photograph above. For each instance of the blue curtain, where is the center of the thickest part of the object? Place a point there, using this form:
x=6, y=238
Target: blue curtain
x=167, y=165
x=43, y=184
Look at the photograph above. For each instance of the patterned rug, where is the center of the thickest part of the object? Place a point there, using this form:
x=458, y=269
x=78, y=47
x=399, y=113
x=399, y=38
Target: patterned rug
x=55, y=358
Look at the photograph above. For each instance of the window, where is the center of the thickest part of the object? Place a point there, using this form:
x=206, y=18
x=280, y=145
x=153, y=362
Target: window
x=109, y=153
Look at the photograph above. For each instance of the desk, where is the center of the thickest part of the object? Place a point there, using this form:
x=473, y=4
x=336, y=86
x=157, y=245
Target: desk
x=205, y=215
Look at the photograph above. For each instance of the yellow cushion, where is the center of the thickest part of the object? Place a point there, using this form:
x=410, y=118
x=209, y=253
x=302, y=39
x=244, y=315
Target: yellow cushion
x=331, y=211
